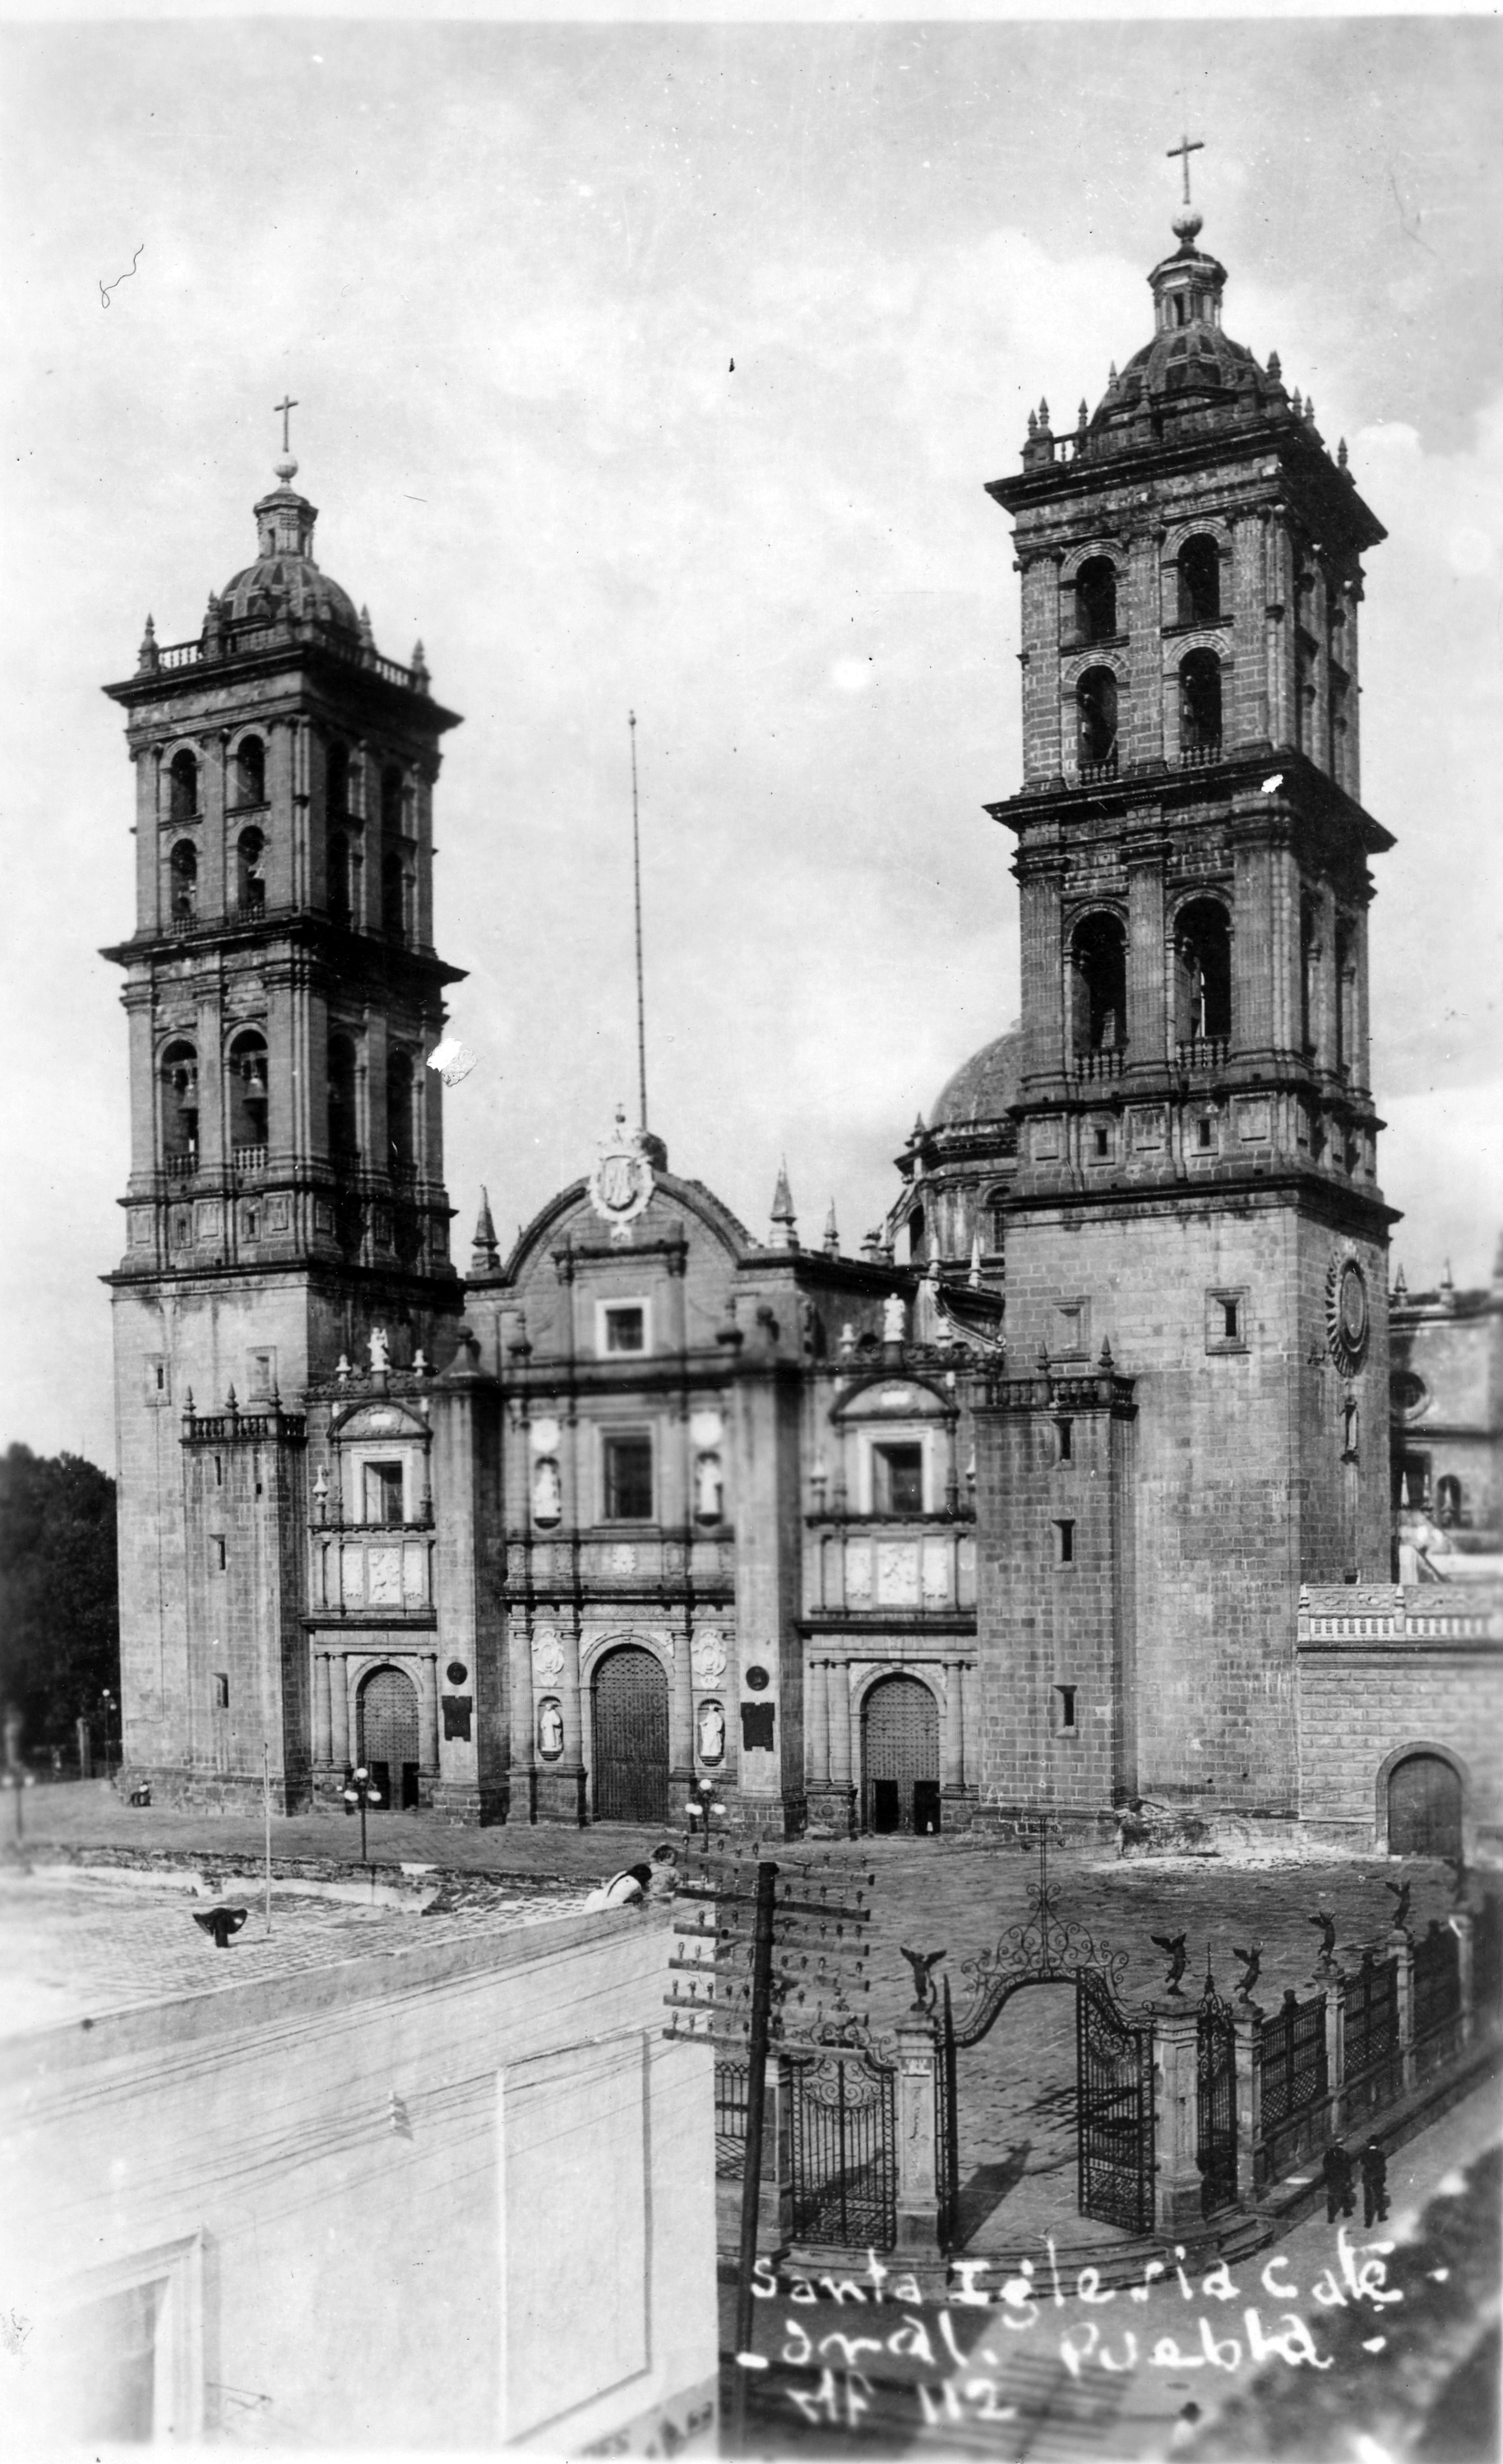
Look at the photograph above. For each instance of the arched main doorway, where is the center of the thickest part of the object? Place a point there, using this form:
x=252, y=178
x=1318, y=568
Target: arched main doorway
x=386, y=1732
x=630, y=1761
x=899, y=1757
x=1423, y=1807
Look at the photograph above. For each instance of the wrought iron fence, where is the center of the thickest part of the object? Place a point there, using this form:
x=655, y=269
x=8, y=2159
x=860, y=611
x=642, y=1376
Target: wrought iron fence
x=1373, y=2068
x=1216, y=2102
x=1487, y=1958
x=1437, y=1997
x=844, y=2150
x=1294, y=2083
x=731, y=2120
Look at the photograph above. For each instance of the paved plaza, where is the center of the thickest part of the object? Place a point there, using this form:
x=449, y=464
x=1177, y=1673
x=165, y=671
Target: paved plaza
x=959, y=1895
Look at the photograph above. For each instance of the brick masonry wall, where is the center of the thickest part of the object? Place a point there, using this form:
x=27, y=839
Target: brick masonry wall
x=1358, y=1708
x=1239, y=1491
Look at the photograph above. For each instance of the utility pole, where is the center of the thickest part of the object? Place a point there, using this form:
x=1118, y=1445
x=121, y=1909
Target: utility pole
x=266, y=1806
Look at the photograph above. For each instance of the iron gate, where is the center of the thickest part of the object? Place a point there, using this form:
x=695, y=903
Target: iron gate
x=1215, y=2101
x=844, y=2152
x=1114, y=2106
x=631, y=1738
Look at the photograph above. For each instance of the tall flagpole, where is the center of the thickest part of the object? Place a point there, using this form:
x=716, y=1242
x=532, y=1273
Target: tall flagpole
x=636, y=874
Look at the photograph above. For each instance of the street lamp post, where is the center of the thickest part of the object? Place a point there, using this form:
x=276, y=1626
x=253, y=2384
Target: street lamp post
x=702, y=1805
x=108, y=1701
x=360, y=1790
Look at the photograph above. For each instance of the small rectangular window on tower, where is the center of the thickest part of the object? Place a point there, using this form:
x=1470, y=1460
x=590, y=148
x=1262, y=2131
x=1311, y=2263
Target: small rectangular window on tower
x=1066, y=1694
x=221, y=1689
x=1204, y=1134
x=1227, y=1319
x=216, y=1553
x=1066, y=1543
x=1066, y=1429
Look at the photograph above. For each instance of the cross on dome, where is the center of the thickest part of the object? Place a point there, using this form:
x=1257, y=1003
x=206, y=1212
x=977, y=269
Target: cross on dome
x=1187, y=223
x=286, y=468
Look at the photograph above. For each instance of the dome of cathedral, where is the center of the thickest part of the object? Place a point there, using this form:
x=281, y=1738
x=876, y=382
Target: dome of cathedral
x=984, y=1087
x=1190, y=365
x=284, y=581
x=287, y=586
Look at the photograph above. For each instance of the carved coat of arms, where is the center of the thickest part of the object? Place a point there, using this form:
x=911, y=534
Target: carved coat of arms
x=622, y=1183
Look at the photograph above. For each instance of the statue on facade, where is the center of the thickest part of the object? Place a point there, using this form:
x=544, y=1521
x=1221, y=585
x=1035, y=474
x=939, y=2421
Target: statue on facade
x=547, y=1495
x=893, y=1318
x=712, y=1732
x=550, y=1730
x=380, y=1356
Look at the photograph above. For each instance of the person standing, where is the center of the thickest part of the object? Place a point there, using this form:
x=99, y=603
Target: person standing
x=1340, y=2192
x=1375, y=2184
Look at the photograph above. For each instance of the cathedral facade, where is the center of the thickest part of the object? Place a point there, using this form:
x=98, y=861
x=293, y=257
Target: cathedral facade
x=1014, y=1508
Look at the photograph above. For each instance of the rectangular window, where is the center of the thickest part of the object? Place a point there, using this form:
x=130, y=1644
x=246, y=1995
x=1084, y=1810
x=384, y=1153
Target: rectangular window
x=1066, y=1694
x=384, y=1492
x=221, y=1689
x=1070, y=1335
x=898, y=1480
x=628, y=1479
x=1104, y=1143
x=1066, y=1429
x=623, y=1327
x=216, y=1550
x=1227, y=1319
x=1066, y=1532
x=1205, y=1132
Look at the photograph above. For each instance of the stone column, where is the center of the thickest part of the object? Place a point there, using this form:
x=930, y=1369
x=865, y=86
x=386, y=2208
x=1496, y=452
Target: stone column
x=681, y=1715
x=1249, y=2085
x=1148, y=1023
x=918, y=2243
x=955, y=1731
x=1177, y=2205
x=819, y=1723
x=428, y=1715
x=339, y=1722
x=323, y=1729
x=1461, y=1925
x=1401, y=1951
x=524, y=1722
x=1335, y=2051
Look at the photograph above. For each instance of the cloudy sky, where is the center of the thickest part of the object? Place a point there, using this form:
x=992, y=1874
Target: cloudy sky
x=506, y=272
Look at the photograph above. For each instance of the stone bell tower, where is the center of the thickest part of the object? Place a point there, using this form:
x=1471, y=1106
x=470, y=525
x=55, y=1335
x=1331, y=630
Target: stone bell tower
x=1195, y=1241
x=287, y=1175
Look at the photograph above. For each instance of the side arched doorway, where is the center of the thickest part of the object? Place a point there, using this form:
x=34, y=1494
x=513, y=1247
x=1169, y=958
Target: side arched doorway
x=899, y=1757
x=386, y=1735
x=629, y=1764
x=1423, y=1807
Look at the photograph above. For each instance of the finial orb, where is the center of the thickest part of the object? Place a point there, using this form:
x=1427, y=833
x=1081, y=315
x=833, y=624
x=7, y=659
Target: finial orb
x=287, y=468
x=1185, y=226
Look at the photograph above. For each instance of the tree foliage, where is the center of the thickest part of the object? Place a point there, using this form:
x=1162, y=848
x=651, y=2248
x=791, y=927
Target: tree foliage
x=59, y=1616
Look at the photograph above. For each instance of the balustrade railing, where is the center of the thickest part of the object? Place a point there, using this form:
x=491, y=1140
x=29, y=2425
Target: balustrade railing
x=232, y=641
x=1090, y=771
x=1106, y=1063
x=181, y=1166
x=248, y=1160
x=1199, y=757
x=1202, y=1051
